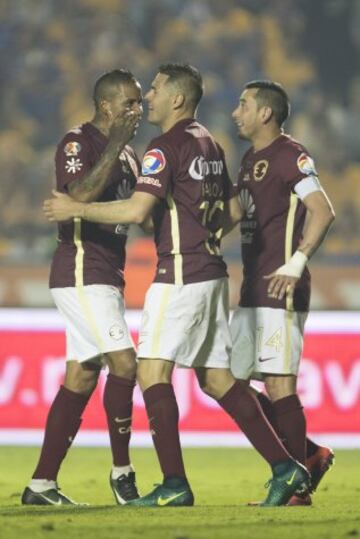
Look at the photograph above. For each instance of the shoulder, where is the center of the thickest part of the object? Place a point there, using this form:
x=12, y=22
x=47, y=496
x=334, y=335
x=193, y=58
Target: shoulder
x=74, y=141
x=291, y=147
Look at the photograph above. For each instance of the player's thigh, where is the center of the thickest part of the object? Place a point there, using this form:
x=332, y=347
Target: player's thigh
x=94, y=320
x=154, y=371
x=243, y=332
x=122, y=363
x=186, y=324
x=280, y=386
x=81, y=377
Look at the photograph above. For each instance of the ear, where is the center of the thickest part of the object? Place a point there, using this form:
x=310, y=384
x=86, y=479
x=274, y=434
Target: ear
x=266, y=114
x=178, y=101
x=105, y=108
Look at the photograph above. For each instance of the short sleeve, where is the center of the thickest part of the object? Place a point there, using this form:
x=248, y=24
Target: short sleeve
x=297, y=165
x=156, y=171
x=72, y=160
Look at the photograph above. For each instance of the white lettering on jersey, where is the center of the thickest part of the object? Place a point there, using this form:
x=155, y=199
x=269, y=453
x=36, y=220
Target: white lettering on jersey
x=200, y=168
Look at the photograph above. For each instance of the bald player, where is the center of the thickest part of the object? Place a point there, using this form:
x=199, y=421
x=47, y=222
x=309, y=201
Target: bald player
x=93, y=162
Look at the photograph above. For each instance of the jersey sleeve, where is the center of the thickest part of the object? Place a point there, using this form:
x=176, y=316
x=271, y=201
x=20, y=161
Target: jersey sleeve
x=72, y=160
x=297, y=166
x=156, y=171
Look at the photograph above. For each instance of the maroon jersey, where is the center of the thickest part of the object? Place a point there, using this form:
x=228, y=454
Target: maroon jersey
x=271, y=228
x=91, y=253
x=185, y=168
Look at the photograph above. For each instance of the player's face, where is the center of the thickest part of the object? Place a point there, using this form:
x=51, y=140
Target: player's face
x=246, y=115
x=127, y=97
x=159, y=99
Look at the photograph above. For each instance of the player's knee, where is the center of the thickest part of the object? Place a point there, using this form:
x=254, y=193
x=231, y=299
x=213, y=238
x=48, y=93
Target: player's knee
x=212, y=388
x=279, y=387
x=122, y=364
x=84, y=384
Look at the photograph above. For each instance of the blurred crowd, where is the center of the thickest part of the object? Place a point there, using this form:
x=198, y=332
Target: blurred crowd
x=51, y=53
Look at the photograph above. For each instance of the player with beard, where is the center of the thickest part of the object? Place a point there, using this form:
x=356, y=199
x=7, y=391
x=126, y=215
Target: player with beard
x=286, y=216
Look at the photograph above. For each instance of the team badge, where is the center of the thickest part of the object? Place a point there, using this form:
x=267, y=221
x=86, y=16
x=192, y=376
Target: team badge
x=306, y=165
x=72, y=148
x=260, y=169
x=73, y=165
x=153, y=162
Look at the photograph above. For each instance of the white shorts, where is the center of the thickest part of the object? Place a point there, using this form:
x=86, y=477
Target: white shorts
x=94, y=320
x=266, y=341
x=187, y=324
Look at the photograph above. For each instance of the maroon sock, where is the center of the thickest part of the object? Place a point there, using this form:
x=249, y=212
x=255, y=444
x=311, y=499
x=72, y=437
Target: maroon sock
x=62, y=424
x=268, y=409
x=292, y=425
x=163, y=414
x=118, y=403
x=245, y=410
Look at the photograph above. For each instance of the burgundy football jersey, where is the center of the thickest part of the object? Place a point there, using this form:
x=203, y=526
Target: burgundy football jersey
x=271, y=228
x=185, y=168
x=91, y=253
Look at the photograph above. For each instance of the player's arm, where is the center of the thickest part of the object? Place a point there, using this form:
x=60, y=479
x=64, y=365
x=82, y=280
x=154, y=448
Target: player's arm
x=233, y=214
x=89, y=187
x=320, y=214
x=135, y=209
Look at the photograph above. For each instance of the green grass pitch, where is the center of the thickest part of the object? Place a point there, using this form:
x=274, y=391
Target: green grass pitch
x=223, y=481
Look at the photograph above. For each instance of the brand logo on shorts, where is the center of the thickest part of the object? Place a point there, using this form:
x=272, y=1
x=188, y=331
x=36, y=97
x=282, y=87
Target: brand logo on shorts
x=262, y=359
x=116, y=332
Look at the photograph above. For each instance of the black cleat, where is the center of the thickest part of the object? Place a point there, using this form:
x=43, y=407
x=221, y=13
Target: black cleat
x=124, y=488
x=52, y=496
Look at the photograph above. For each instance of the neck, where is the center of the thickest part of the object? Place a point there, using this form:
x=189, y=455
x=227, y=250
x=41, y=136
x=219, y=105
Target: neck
x=265, y=137
x=174, y=119
x=101, y=123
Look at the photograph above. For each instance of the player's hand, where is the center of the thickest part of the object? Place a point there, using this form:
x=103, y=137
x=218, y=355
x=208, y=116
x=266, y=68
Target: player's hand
x=123, y=127
x=62, y=207
x=279, y=285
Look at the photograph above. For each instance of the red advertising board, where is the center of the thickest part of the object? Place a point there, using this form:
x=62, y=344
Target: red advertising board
x=32, y=367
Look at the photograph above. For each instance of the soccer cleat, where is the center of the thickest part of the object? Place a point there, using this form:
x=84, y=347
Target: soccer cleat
x=288, y=477
x=300, y=499
x=318, y=464
x=52, y=496
x=174, y=492
x=124, y=488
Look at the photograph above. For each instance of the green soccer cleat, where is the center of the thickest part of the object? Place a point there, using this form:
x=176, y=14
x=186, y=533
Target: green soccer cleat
x=288, y=477
x=174, y=492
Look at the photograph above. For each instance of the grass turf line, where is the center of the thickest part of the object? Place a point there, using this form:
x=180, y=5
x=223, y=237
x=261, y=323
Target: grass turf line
x=223, y=481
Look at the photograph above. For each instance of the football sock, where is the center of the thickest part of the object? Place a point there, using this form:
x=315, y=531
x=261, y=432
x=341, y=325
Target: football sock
x=163, y=414
x=268, y=409
x=62, y=424
x=246, y=411
x=311, y=448
x=292, y=425
x=117, y=471
x=118, y=404
x=39, y=485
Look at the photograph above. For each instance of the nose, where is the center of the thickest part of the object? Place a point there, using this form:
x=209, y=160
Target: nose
x=234, y=113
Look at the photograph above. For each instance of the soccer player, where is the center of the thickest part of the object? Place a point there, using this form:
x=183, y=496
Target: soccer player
x=185, y=186
x=286, y=217
x=93, y=162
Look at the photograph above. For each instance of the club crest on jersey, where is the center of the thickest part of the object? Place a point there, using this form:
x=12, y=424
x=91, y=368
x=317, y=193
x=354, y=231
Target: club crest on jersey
x=72, y=148
x=153, y=162
x=260, y=169
x=306, y=165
